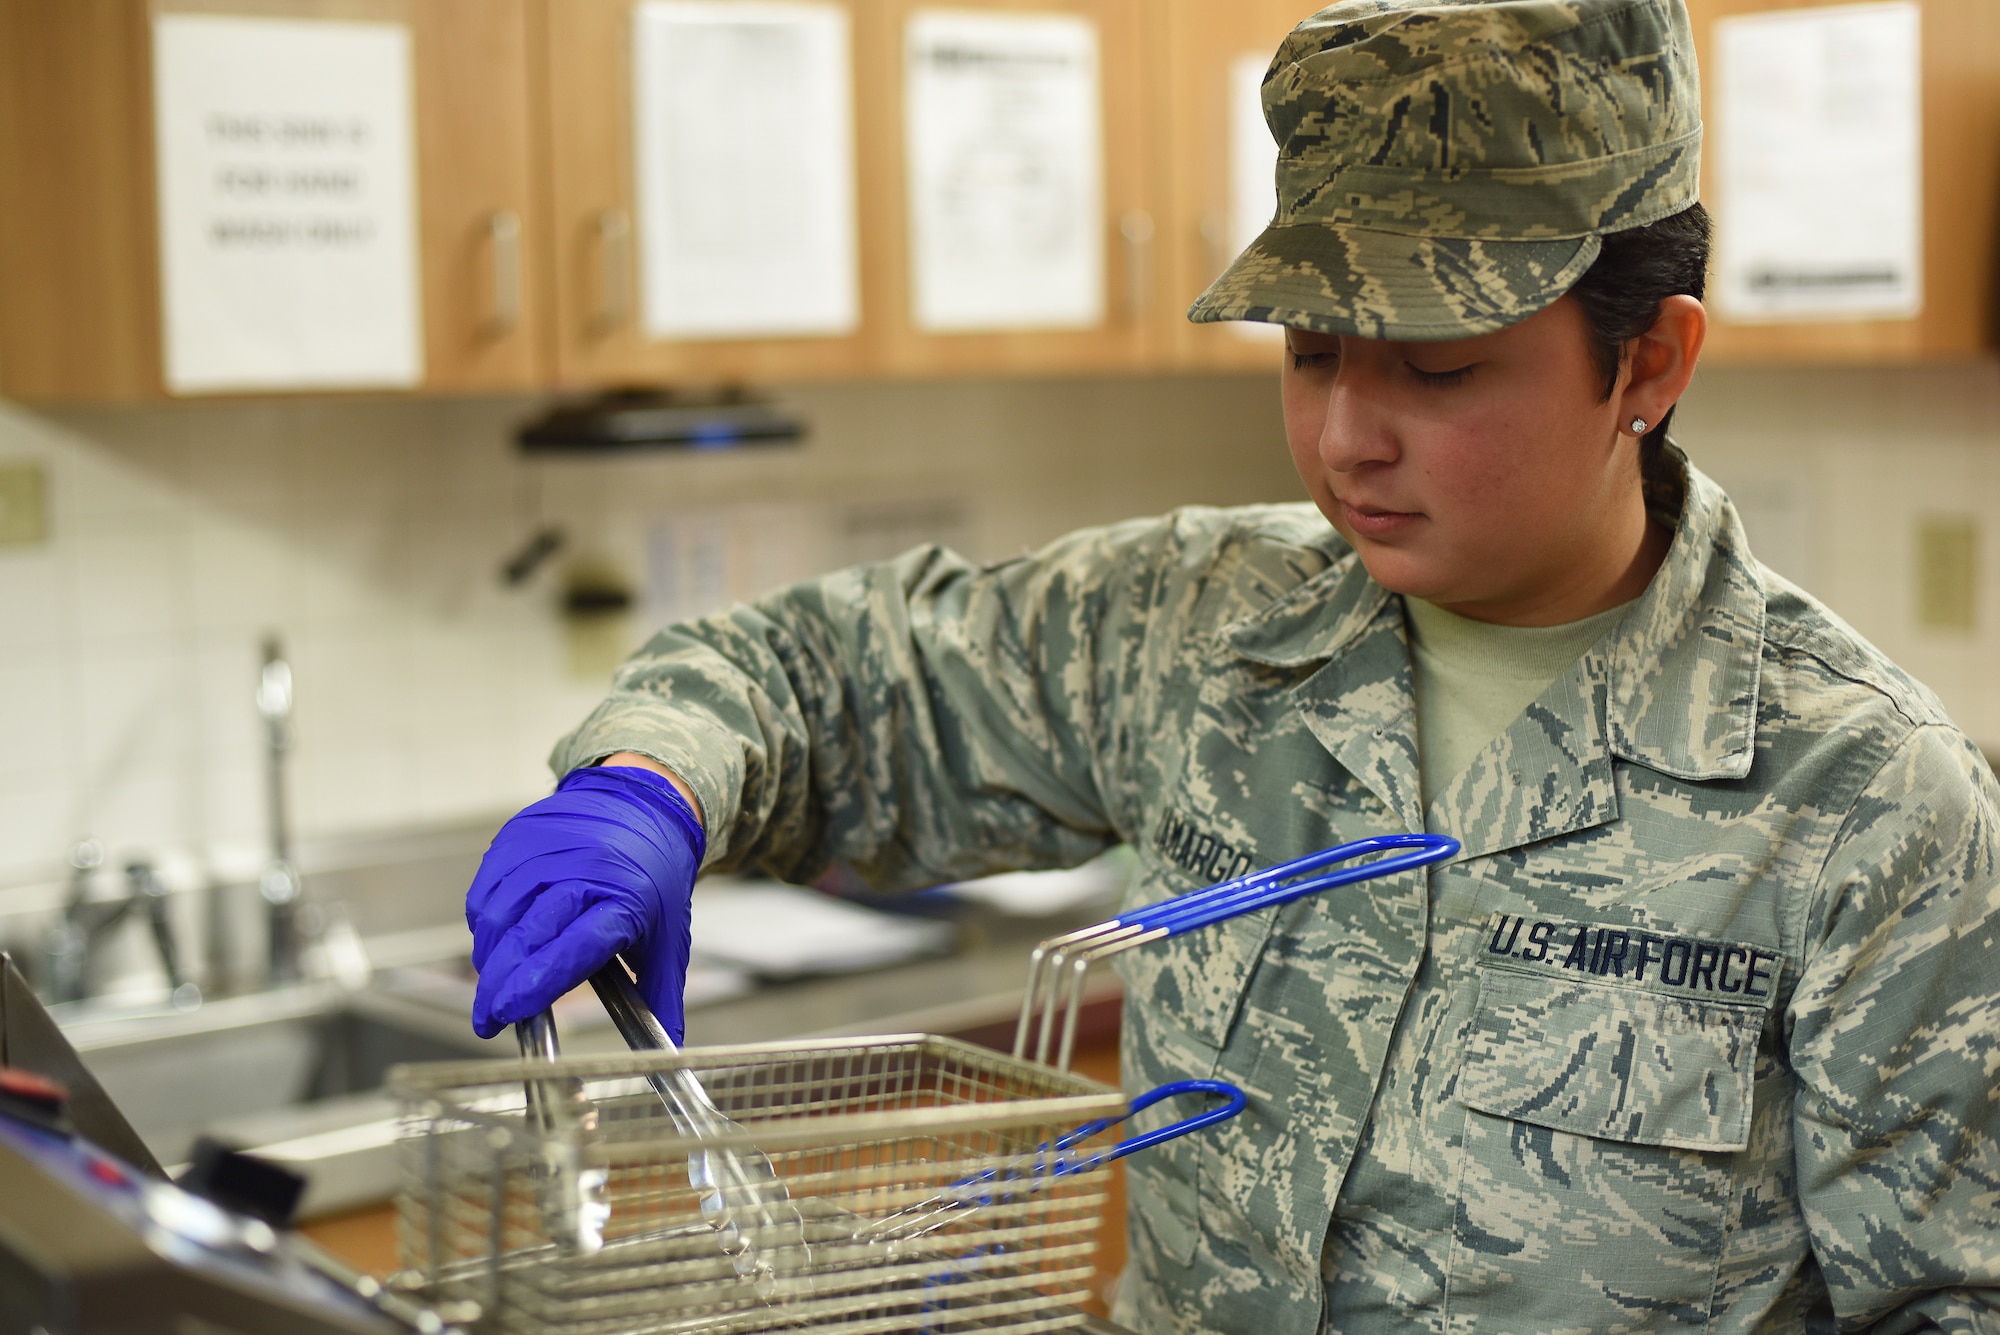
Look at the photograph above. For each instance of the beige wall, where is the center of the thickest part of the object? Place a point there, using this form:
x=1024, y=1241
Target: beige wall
x=1835, y=470
x=370, y=535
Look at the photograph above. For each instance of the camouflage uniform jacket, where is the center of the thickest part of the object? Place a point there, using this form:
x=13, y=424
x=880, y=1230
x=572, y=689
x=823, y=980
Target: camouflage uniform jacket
x=1699, y=1032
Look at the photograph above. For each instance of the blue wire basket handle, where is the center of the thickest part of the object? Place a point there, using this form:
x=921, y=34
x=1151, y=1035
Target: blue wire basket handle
x=1052, y=1158
x=1267, y=889
x=1235, y=1100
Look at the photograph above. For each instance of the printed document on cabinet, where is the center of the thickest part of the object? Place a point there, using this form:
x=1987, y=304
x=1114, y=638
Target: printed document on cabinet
x=743, y=140
x=1253, y=173
x=1004, y=171
x=1819, y=167
x=286, y=160
x=1253, y=153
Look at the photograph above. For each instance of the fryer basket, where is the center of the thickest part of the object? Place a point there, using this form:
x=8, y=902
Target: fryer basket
x=921, y=1168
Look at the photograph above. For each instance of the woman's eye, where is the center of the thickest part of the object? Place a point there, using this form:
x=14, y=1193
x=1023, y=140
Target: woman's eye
x=1441, y=379
x=1313, y=361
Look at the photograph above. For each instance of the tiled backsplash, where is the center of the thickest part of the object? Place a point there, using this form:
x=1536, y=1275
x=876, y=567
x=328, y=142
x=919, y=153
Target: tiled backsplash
x=370, y=537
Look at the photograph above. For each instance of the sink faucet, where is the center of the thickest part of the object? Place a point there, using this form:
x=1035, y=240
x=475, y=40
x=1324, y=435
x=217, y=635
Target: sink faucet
x=71, y=947
x=279, y=884
x=143, y=886
x=70, y=944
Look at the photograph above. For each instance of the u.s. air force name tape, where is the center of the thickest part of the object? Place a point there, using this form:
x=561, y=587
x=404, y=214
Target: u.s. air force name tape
x=1672, y=963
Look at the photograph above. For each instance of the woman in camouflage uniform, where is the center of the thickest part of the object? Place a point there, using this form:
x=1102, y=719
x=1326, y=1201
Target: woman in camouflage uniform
x=1698, y=1031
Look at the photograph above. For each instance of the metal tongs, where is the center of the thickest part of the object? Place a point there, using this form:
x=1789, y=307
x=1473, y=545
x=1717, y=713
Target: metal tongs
x=742, y=1198
x=574, y=1198
x=1078, y=950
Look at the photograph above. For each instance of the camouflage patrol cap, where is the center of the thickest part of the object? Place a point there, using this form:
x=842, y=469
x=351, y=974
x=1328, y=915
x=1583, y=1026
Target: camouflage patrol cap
x=1447, y=167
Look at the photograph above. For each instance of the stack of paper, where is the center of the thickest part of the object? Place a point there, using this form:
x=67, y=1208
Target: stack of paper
x=1041, y=894
x=782, y=931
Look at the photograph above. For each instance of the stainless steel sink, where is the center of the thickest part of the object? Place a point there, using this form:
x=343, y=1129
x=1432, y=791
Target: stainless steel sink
x=291, y=1074
x=252, y=1059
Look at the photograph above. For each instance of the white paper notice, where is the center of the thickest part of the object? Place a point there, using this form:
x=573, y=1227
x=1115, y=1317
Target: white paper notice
x=1253, y=154
x=1005, y=171
x=743, y=132
x=1253, y=172
x=1819, y=164
x=287, y=199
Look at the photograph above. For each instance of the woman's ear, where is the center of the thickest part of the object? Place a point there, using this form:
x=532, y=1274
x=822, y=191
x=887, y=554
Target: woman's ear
x=1662, y=360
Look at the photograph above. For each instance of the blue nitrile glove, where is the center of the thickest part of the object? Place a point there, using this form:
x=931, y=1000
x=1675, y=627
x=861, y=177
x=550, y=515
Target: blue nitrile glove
x=605, y=866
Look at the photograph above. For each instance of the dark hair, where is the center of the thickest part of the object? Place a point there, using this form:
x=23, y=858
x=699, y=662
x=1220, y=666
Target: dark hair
x=1636, y=271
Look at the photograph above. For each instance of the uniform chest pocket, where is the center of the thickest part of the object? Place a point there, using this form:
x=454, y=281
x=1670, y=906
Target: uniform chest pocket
x=1612, y=1062
x=1601, y=1125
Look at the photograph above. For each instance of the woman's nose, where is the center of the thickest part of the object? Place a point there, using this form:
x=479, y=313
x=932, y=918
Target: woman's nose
x=1356, y=429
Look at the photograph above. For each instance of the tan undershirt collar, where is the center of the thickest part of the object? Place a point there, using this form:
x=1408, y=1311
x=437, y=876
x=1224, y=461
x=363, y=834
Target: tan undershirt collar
x=1474, y=678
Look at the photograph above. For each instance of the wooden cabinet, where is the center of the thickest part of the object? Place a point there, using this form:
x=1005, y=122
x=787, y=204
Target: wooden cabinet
x=1128, y=337
x=527, y=206
x=599, y=332
x=79, y=276
x=1200, y=54
x=1201, y=42
x=484, y=237
x=80, y=290
x=1961, y=201
x=597, y=325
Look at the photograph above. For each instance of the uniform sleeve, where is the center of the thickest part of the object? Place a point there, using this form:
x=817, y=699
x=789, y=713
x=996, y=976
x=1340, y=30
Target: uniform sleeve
x=923, y=720
x=1895, y=1036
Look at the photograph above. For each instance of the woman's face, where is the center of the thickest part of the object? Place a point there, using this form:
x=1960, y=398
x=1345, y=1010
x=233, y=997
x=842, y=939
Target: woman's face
x=1487, y=475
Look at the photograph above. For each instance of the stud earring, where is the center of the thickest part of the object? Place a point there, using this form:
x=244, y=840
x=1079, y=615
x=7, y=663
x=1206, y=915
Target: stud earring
x=1638, y=426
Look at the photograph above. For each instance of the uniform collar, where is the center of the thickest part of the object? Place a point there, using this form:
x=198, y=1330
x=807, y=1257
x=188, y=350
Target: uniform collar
x=1685, y=663
x=1683, y=671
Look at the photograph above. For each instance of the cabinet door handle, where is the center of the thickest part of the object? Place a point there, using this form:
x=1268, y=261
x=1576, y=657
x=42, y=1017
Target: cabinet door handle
x=503, y=241
x=614, y=270
x=1135, y=226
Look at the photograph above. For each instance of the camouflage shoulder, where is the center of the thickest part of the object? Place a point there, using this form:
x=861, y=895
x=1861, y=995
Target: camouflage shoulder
x=1237, y=561
x=1277, y=545
x=1798, y=624
x=1289, y=523
x=1287, y=532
